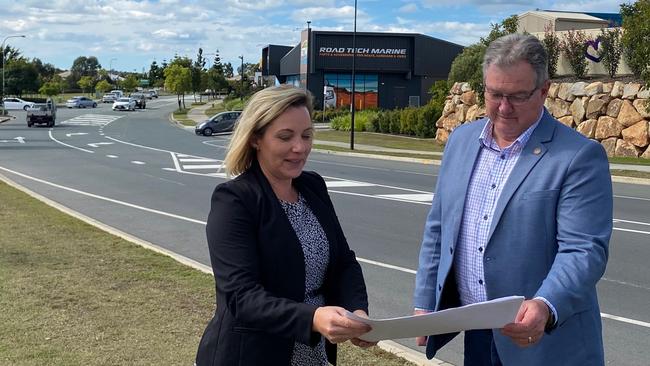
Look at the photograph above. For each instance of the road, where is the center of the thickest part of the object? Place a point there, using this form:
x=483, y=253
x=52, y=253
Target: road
x=139, y=173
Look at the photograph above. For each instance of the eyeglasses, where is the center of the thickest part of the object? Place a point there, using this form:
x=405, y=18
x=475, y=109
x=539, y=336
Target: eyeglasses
x=514, y=99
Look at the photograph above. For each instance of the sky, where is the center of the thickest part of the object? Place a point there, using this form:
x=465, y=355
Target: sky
x=129, y=35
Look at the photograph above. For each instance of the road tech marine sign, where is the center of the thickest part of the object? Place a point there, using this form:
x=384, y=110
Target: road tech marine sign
x=362, y=52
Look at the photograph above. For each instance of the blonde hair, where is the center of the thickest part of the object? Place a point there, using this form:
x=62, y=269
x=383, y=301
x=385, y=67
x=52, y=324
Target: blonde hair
x=263, y=108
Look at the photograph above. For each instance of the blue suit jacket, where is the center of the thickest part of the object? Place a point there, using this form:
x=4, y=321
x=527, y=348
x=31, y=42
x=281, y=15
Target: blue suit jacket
x=549, y=238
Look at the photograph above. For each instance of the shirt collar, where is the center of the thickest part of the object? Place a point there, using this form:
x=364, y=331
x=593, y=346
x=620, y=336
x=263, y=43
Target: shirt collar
x=487, y=139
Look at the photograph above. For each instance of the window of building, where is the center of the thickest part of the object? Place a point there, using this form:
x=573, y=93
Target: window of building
x=293, y=80
x=338, y=90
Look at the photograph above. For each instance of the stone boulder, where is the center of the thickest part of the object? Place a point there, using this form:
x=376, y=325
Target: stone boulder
x=637, y=134
x=578, y=89
x=472, y=113
x=630, y=90
x=643, y=107
x=468, y=98
x=456, y=88
x=646, y=154
x=628, y=114
x=594, y=88
x=552, y=90
x=597, y=106
x=607, y=127
x=563, y=91
x=588, y=128
x=643, y=93
x=567, y=121
x=461, y=111
x=614, y=107
x=609, y=145
x=577, y=110
x=626, y=149
x=607, y=88
x=617, y=90
x=558, y=107
x=449, y=108
x=450, y=122
x=442, y=135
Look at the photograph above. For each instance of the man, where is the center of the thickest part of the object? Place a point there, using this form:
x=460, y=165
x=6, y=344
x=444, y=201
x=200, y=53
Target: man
x=523, y=206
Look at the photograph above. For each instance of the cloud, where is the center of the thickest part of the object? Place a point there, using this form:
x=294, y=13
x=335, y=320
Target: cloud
x=316, y=13
x=408, y=8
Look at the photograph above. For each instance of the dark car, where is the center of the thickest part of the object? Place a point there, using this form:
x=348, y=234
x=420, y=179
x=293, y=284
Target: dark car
x=220, y=122
x=140, y=100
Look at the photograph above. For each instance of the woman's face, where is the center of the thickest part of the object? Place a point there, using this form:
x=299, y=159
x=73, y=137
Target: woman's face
x=283, y=148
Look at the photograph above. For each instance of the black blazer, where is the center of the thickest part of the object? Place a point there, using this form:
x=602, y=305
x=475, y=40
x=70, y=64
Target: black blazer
x=259, y=273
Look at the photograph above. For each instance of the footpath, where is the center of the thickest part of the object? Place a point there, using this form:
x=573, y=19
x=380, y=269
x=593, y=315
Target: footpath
x=197, y=114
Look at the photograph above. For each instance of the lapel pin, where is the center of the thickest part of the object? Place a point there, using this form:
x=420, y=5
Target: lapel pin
x=537, y=150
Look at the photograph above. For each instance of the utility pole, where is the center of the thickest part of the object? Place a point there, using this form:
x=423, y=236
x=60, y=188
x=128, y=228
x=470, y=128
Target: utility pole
x=354, y=56
x=241, y=77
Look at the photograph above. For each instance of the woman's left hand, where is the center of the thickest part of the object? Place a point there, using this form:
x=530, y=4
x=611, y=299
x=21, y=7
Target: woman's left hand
x=360, y=342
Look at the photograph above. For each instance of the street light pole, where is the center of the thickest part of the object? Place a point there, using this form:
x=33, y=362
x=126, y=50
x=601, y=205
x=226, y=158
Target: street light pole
x=241, y=78
x=4, y=65
x=354, y=57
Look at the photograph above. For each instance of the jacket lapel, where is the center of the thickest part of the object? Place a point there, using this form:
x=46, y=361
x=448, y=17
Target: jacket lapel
x=530, y=155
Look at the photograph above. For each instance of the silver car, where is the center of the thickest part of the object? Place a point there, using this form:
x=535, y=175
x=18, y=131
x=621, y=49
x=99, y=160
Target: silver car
x=80, y=102
x=17, y=103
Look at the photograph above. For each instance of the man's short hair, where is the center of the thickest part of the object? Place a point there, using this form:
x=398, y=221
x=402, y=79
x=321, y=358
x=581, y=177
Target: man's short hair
x=510, y=49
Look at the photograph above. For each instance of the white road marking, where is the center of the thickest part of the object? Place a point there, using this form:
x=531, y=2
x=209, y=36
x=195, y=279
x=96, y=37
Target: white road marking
x=76, y=134
x=379, y=197
x=64, y=144
x=195, y=167
x=98, y=144
x=112, y=156
x=196, y=160
x=166, y=214
x=91, y=120
x=632, y=198
x=346, y=183
x=137, y=162
x=424, y=197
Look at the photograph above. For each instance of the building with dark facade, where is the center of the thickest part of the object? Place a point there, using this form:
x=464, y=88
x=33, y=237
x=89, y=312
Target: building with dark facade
x=392, y=70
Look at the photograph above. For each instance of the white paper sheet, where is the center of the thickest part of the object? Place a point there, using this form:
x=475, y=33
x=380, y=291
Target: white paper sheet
x=491, y=314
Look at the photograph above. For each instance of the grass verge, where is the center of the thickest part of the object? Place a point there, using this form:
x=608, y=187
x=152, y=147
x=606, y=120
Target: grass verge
x=382, y=140
x=630, y=173
x=181, y=116
x=373, y=152
x=75, y=295
x=633, y=161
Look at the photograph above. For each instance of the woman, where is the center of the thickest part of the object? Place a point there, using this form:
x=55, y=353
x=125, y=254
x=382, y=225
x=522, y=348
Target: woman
x=283, y=270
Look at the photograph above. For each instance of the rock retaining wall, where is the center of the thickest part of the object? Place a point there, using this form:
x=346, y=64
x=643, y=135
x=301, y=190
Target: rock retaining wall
x=614, y=114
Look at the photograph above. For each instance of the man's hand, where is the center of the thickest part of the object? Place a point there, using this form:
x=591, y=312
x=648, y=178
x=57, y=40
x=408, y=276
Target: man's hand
x=529, y=324
x=421, y=341
x=331, y=322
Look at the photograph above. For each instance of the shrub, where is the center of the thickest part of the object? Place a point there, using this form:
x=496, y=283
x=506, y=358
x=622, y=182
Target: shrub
x=328, y=114
x=574, y=46
x=427, y=118
x=394, y=121
x=612, y=49
x=636, y=47
x=408, y=120
x=467, y=67
x=551, y=43
x=383, y=121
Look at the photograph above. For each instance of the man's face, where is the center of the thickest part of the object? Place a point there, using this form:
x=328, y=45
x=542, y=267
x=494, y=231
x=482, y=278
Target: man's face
x=512, y=102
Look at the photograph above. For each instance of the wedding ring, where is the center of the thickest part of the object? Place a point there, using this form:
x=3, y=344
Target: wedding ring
x=530, y=340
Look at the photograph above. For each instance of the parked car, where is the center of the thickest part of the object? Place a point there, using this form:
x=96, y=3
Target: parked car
x=140, y=100
x=80, y=102
x=220, y=122
x=42, y=113
x=124, y=104
x=153, y=93
x=17, y=103
x=109, y=98
x=118, y=93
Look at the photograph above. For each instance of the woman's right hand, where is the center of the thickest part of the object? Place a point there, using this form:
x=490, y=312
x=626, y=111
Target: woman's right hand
x=331, y=322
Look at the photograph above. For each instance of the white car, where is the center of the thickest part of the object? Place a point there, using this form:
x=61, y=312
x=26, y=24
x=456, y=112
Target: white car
x=124, y=104
x=17, y=103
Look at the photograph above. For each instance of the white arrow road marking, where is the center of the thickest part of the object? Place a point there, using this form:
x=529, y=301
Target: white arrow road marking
x=97, y=144
x=76, y=134
x=20, y=140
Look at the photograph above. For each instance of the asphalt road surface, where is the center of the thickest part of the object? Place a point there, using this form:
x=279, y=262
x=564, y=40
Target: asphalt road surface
x=140, y=173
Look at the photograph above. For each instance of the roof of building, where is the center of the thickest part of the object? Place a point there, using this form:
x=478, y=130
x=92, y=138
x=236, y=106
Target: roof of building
x=564, y=15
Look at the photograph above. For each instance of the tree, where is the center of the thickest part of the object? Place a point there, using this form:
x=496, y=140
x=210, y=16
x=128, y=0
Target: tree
x=86, y=83
x=636, y=47
x=612, y=49
x=50, y=88
x=215, y=81
x=574, y=46
x=10, y=54
x=130, y=83
x=83, y=66
x=178, y=79
x=216, y=65
x=507, y=26
x=551, y=43
x=45, y=71
x=155, y=73
x=227, y=70
x=103, y=86
x=21, y=77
